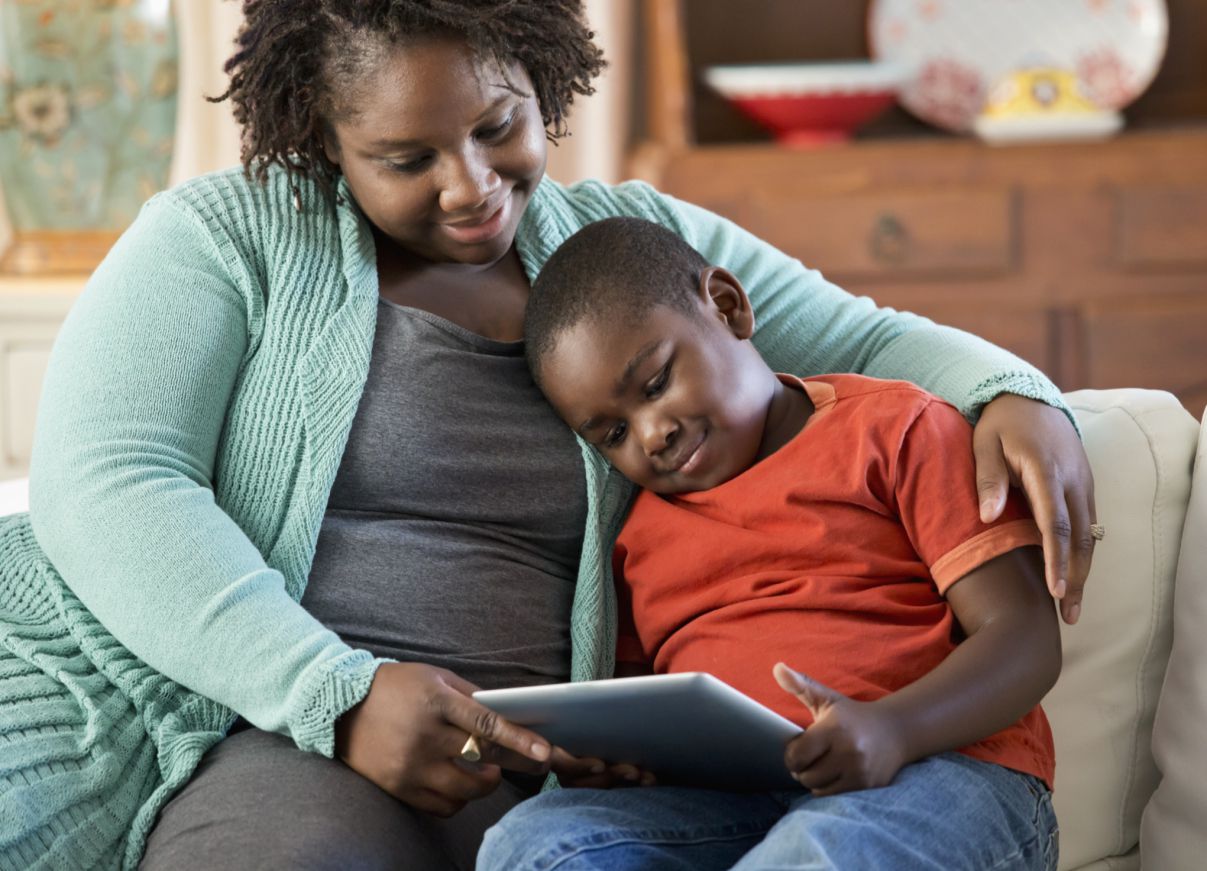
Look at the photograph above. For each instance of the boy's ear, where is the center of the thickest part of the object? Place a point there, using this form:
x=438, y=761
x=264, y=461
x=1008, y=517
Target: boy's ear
x=721, y=290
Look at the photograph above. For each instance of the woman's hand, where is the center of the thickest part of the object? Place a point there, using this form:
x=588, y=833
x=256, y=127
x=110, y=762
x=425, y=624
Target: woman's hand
x=850, y=745
x=406, y=736
x=583, y=772
x=1033, y=445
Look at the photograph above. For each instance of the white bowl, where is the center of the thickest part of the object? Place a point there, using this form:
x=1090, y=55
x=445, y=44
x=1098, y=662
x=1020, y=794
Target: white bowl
x=772, y=79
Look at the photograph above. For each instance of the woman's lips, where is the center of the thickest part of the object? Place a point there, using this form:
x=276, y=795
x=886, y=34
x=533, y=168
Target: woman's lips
x=483, y=231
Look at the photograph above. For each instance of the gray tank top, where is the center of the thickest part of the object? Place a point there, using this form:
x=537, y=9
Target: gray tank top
x=452, y=533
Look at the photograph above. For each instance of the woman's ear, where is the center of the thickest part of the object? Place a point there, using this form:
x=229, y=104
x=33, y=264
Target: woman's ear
x=721, y=291
x=330, y=144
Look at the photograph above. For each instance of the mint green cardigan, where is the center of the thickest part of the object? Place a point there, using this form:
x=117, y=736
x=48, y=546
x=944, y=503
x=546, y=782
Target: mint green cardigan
x=193, y=417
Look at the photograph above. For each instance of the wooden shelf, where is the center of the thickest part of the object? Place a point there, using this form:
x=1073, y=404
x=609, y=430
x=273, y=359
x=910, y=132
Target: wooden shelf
x=1087, y=259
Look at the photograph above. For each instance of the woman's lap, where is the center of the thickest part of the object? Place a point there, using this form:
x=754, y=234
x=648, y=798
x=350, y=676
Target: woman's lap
x=948, y=812
x=256, y=801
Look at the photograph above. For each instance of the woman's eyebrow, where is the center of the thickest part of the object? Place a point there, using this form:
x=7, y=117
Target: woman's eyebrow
x=399, y=144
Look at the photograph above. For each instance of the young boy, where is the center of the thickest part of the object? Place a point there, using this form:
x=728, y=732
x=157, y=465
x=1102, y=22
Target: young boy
x=817, y=544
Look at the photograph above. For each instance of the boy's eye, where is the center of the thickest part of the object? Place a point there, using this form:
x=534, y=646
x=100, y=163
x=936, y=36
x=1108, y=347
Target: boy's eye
x=657, y=385
x=615, y=435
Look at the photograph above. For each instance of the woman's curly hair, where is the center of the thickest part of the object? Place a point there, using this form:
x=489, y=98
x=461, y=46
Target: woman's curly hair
x=295, y=61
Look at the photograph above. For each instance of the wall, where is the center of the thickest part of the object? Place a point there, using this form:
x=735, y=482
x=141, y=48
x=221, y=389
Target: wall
x=207, y=137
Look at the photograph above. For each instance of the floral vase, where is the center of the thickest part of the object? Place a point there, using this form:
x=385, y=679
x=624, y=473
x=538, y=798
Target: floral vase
x=87, y=120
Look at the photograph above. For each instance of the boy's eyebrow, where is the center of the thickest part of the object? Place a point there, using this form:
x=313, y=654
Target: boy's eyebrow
x=622, y=383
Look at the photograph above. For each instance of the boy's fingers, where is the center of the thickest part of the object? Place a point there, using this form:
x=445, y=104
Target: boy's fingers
x=806, y=749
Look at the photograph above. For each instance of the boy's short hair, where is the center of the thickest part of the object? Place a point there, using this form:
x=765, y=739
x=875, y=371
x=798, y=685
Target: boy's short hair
x=618, y=269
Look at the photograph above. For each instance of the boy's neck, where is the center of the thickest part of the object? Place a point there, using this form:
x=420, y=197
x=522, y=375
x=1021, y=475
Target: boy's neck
x=787, y=413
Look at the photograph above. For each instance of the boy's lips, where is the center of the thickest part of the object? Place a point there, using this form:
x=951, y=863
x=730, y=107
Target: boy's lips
x=690, y=458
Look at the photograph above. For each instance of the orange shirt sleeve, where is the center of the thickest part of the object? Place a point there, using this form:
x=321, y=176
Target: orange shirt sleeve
x=935, y=489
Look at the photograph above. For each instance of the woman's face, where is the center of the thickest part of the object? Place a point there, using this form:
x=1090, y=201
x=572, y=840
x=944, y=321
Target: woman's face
x=440, y=154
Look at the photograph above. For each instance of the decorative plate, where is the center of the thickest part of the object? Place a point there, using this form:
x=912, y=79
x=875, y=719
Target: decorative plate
x=956, y=51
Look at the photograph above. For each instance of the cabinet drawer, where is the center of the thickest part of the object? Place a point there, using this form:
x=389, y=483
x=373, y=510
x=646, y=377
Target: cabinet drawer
x=1146, y=342
x=1162, y=227
x=894, y=234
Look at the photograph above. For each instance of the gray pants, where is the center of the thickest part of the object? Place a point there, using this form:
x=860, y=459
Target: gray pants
x=256, y=801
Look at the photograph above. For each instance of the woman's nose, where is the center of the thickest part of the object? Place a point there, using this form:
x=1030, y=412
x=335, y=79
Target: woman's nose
x=469, y=185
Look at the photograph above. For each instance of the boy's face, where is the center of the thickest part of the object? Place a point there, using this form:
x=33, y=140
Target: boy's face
x=676, y=402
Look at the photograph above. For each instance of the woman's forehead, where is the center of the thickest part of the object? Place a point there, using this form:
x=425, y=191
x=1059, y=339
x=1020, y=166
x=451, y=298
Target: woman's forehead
x=430, y=78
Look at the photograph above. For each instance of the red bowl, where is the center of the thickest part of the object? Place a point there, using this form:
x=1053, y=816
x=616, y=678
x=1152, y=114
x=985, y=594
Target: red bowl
x=809, y=104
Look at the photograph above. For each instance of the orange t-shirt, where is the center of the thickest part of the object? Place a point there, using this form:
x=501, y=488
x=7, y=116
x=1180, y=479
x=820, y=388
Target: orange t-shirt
x=832, y=554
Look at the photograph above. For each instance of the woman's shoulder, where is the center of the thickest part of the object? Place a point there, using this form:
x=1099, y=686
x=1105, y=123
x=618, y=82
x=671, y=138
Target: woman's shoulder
x=234, y=195
x=592, y=200
x=557, y=211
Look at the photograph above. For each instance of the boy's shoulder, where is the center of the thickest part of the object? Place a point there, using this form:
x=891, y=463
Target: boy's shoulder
x=861, y=390
x=879, y=409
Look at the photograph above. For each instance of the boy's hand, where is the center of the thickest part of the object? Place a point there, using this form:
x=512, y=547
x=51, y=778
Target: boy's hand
x=588, y=773
x=851, y=745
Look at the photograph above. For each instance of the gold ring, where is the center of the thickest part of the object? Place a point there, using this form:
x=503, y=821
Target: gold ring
x=471, y=752
x=1097, y=531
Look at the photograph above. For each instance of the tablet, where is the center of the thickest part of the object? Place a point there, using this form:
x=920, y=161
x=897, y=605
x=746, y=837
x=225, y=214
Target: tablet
x=690, y=729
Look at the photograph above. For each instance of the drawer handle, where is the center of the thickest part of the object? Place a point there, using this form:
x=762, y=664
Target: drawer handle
x=889, y=239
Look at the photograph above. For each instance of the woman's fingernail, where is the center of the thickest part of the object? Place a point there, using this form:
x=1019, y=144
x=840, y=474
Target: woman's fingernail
x=540, y=751
x=1061, y=588
x=1074, y=613
x=598, y=768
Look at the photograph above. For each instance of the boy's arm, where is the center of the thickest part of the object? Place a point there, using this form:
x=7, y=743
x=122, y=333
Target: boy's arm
x=1010, y=659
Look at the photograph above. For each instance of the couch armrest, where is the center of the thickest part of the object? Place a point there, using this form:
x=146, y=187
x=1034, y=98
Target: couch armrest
x=1174, y=830
x=1141, y=446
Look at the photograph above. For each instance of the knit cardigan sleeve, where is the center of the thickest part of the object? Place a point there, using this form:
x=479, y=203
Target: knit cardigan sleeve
x=133, y=406
x=806, y=325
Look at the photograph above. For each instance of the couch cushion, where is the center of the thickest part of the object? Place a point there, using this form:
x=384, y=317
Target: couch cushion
x=14, y=496
x=1141, y=447
x=1174, y=832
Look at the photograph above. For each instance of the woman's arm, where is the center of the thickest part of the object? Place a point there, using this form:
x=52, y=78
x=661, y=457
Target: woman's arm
x=135, y=400
x=807, y=326
x=1009, y=660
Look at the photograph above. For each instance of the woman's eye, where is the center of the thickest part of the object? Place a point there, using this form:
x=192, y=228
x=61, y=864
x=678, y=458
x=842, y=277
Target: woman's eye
x=419, y=164
x=615, y=435
x=497, y=131
x=659, y=383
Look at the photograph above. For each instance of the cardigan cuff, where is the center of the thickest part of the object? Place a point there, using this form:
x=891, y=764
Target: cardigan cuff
x=1025, y=384
x=331, y=689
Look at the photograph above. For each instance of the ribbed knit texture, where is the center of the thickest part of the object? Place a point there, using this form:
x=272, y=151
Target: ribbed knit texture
x=193, y=417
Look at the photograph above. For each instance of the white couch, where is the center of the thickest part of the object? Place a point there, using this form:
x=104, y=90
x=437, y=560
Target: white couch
x=1127, y=714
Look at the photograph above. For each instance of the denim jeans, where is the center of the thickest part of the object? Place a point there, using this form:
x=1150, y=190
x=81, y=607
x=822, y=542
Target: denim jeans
x=948, y=812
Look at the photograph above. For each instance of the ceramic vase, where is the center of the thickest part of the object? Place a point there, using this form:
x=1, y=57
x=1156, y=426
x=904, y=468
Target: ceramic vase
x=87, y=120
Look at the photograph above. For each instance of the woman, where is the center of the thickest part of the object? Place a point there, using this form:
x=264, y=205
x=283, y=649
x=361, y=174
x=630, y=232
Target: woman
x=289, y=467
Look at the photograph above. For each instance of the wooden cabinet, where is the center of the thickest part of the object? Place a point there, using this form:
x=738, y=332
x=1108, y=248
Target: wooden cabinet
x=1087, y=259
x=31, y=312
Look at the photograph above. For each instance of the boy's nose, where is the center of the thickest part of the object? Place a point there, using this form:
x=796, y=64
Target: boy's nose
x=658, y=434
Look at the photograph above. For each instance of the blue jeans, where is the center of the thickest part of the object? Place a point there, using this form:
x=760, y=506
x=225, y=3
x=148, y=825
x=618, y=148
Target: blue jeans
x=946, y=812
